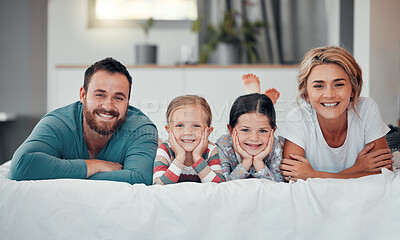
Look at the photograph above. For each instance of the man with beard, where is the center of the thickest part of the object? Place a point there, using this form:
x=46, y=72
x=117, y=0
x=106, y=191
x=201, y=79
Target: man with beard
x=99, y=137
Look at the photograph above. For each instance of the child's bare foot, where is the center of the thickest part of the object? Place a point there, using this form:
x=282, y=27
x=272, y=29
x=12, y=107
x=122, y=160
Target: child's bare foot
x=251, y=83
x=273, y=94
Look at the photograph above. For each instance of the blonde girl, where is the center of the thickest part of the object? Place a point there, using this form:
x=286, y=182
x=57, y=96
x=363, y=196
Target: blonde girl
x=187, y=156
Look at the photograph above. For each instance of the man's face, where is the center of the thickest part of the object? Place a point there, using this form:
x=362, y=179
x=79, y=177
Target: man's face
x=105, y=104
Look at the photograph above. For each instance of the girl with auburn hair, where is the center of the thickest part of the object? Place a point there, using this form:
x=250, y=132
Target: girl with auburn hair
x=333, y=133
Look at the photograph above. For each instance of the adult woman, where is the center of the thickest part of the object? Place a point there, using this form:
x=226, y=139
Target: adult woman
x=334, y=133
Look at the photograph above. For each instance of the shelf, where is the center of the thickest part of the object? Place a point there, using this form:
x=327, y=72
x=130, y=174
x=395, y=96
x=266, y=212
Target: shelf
x=6, y=117
x=197, y=66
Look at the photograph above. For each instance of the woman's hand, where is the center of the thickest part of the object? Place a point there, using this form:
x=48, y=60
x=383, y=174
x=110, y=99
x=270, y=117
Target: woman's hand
x=180, y=153
x=372, y=162
x=296, y=167
x=258, y=160
x=247, y=159
x=202, y=146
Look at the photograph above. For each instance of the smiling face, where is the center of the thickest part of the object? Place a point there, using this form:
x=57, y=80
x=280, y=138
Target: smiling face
x=188, y=124
x=105, y=104
x=253, y=131
x=329, y=91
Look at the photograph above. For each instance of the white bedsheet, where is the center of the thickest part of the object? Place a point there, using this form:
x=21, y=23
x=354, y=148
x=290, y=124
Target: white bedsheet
x=364, y=208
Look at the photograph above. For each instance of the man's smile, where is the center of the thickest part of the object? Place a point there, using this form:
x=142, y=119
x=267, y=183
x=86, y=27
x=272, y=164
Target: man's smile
x=107, y=117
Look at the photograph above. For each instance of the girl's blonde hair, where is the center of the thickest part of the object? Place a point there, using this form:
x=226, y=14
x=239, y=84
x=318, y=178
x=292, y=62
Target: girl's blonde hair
x=189, y=100
x=325, y=55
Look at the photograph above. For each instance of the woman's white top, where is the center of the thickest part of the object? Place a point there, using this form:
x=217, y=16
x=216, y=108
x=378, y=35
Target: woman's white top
x=302, y=128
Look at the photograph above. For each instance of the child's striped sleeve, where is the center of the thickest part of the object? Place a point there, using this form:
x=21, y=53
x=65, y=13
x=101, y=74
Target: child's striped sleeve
x=165, y=171
x=210, y=170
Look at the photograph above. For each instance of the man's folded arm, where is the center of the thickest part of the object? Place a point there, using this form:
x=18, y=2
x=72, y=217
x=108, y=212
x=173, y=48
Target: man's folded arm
x=139, y=160
x=39, y=157
x=40, y=165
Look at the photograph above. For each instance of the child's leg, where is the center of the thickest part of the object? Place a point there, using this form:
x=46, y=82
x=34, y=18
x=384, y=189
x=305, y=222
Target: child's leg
x=251, y=83
x=273, y=94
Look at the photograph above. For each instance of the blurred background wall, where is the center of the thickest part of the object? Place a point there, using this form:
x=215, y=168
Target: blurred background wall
x=23, y=70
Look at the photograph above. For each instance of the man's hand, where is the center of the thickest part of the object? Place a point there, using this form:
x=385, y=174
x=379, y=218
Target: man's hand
x=95, y=165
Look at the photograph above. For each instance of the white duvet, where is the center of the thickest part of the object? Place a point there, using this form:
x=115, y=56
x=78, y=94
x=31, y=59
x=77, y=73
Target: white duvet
x=364, y=208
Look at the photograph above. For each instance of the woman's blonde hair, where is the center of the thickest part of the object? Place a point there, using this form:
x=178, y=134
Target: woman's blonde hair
x=325, y=55
x=189, y=100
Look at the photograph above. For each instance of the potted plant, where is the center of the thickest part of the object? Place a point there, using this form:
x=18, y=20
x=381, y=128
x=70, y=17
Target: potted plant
x=229, y=40
x=224, y=39
x=250, y=30
x=146, y=53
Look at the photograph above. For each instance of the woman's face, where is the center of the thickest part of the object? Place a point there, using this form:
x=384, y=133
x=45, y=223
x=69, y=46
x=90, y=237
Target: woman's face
x=329, y=91
x=253, y=130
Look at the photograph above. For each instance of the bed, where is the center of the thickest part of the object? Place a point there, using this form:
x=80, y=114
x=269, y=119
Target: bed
x=364, y=208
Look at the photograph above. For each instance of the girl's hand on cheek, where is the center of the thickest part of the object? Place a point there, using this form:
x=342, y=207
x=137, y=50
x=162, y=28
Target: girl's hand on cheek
x=247, y=159
x=267, y=150
x=258, y=160
x=202, y=146
x=180, y=153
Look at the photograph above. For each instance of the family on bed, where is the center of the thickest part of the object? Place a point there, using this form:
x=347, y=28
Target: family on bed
x=333, y=133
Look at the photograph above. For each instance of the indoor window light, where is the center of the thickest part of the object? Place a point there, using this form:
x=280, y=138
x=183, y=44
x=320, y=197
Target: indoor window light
x=144, y=9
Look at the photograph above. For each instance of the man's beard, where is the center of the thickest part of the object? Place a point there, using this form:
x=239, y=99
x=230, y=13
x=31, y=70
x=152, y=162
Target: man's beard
x=95, y=126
